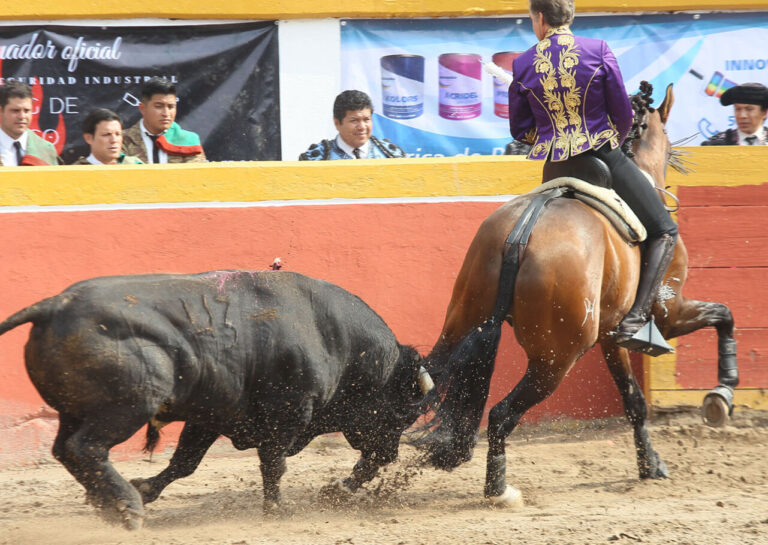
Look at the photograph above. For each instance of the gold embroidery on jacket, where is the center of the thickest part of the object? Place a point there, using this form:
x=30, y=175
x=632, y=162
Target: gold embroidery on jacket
x=530, y=136
x=561, y=94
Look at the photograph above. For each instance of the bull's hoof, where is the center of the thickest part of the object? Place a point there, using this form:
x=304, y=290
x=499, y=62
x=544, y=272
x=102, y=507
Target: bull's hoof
x=145, y=490
x=442, y=457
x=512, y=498
x=271, y=508
x=336, y=493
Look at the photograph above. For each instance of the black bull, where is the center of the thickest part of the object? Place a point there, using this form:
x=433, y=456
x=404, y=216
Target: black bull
x=268, y=359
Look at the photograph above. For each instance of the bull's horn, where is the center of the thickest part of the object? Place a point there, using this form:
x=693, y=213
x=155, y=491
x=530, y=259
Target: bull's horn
x=425, y=381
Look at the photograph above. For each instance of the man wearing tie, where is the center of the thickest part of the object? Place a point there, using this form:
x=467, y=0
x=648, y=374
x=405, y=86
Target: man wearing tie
x=352, y=116
x=19, y=146
x=750, y=108
x=157, y=138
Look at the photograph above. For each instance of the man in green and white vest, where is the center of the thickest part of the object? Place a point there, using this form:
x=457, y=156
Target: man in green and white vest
x=157, y=138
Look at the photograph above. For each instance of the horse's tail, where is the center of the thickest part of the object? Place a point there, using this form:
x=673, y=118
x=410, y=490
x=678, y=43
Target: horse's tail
x=466, y=375
x=38, y=313
x=465, y=379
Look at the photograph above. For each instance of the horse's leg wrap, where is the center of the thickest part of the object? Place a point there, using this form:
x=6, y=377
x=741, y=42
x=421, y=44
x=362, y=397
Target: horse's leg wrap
x=727, y=367
x=496, y=475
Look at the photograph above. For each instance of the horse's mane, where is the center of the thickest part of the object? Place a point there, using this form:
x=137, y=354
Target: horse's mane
x=641, y=106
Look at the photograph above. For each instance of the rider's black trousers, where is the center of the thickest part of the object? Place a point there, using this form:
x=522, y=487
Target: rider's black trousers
x=632, y=186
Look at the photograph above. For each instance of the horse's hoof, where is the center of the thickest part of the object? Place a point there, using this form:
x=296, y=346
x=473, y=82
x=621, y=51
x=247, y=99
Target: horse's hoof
x=132, y=520
x=512, y=498
x=715, y=411
x=658, y=471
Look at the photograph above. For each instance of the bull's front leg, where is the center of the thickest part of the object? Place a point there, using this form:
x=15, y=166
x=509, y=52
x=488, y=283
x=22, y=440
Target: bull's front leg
x=693, y=315
x=273, y=467
x=194, y=442
x=376, y=453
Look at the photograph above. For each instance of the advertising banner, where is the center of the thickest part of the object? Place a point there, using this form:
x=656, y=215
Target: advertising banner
x=432, y=97
x=226, y=77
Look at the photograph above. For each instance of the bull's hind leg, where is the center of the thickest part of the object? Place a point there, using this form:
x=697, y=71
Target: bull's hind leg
x=194, y=442
x=83, y=448
x=650, y=465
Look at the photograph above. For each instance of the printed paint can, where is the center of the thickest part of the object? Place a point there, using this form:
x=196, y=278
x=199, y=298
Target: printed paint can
x=402, y=86
x=460, y=85
x=504, y=60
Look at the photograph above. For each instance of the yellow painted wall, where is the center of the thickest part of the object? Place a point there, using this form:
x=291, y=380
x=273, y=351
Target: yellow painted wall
x=287, y=180
x=296, y=9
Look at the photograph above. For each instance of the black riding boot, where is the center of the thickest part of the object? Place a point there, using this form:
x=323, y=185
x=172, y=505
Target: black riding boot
x=656, y=258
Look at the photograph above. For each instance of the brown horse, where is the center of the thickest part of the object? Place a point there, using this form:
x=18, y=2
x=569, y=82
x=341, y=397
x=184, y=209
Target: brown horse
x=575, y=281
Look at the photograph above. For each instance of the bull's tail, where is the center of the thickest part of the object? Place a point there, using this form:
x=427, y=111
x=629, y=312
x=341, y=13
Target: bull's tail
x=38, y=313
x=153, y=436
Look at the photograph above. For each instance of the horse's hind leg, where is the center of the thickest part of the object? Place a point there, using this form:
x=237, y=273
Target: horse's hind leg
x=649, y=463
x=541, y=379
x=194, y=442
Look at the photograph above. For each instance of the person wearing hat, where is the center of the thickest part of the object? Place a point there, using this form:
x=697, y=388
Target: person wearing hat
x=750, y=108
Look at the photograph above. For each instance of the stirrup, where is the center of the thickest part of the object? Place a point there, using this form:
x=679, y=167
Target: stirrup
x=648, y=340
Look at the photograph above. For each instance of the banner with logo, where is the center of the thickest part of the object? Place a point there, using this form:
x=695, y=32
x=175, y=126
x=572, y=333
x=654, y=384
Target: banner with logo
x=226, y=77
x=432, y=97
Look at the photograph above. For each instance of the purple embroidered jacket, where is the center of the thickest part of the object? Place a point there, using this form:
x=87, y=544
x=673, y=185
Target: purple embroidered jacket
x=568, y=96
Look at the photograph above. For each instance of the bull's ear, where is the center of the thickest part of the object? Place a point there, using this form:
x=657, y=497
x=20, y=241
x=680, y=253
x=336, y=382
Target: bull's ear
x=666, y=105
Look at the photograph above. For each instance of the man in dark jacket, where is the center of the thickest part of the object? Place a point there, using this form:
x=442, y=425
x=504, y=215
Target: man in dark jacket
x=750, y=108
x=353, y=118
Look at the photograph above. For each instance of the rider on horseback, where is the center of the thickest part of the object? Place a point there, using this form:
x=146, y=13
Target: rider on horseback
x=568, y=98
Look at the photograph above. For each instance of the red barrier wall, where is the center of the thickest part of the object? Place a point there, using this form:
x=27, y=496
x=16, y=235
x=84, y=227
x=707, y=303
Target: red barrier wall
x=401, y=258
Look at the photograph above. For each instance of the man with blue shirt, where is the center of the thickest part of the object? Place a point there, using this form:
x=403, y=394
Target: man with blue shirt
x=353, y=118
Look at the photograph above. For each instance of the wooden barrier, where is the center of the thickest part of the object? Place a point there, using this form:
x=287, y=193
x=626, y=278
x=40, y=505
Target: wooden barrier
x=309, y=9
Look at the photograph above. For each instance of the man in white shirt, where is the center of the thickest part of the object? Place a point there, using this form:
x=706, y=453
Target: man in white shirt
x=352, y=116
x=103, y=132
x=19, y=146
x=750, y=109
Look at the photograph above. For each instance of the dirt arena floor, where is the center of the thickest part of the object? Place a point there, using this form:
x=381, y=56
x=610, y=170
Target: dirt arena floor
x=579, y=480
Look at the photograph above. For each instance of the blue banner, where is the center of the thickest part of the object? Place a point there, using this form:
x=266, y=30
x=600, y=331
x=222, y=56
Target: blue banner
x=431, y=98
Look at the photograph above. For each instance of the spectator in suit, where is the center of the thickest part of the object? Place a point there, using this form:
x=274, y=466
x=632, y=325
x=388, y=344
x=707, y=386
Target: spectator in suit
x=156, y=137
x=352, y=116
x=20, y=146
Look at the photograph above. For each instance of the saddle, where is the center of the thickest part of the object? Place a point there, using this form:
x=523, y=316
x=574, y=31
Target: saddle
x=588, y=179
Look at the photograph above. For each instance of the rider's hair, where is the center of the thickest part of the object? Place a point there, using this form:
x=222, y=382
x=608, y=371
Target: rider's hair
x=96, y=116
x=350, y=101
x=556, y=13
x=14, y=89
